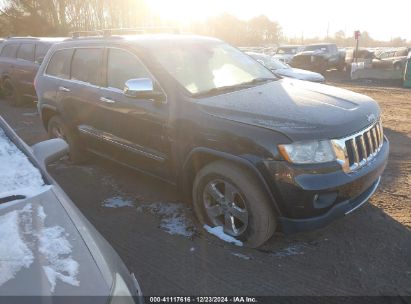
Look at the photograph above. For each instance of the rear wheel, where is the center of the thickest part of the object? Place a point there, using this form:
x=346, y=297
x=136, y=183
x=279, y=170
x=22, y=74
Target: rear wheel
x=10, y=93
x=57, y=129
x=229, y=196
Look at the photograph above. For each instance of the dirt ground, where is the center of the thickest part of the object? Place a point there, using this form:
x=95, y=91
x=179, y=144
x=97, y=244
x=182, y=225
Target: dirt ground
x=365, y=253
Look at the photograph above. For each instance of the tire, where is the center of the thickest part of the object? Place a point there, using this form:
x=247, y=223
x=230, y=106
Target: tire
x=10, y=92
x=259, y=219
x=57, y=129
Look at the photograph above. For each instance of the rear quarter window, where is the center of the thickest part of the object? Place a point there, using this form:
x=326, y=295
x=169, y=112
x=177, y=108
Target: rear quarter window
x=59, y=64
x=9, y=50
x=86, y=64
x=26, y=51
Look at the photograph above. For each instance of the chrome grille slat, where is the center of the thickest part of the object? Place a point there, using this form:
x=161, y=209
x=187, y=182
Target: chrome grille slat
x=363, y=149
x=374, y=138
x=355, y=152
x=371, y=142
x=377, y=132
x=358, y=149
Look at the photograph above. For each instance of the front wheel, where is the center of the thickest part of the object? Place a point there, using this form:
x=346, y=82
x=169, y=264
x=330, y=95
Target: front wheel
x=229, y=196
x=57, y=129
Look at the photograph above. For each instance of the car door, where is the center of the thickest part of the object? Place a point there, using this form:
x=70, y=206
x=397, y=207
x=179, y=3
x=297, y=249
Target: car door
x=25, y=69
x=8, y=60
x=135, y=126
x=79, y=94
x=334, y=56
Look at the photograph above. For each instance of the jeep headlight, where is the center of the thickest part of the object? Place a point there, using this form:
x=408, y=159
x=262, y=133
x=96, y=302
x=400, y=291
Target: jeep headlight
x=308, y=152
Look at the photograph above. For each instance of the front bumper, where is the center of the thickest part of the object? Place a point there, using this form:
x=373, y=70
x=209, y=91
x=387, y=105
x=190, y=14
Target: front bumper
x=312, y=196
x=341, y=209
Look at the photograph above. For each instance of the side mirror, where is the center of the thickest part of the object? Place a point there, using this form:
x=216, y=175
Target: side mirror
x=142, y=88
x=50, y=150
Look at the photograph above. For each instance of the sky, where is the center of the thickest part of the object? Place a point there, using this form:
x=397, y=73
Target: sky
x=309, y=18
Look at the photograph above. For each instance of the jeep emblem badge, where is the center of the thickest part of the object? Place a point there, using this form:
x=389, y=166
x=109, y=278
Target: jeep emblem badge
x=370, y=117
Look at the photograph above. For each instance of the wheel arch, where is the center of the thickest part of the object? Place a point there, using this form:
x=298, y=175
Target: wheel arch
x=200, y=157
x=46, y=113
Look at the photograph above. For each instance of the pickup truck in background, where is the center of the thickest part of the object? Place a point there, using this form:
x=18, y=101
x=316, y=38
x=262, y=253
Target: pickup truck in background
x=319, y=58
x=391, y=59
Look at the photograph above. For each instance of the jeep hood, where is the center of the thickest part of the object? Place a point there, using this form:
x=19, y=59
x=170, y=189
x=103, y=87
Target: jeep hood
x=299, y=109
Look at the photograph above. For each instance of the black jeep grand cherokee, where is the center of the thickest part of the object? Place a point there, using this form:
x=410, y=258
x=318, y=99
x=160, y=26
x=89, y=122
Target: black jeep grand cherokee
x=251, y=151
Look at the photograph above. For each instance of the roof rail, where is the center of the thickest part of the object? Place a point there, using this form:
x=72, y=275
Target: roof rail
x=79, y=34
x=27, y=37
x=124, y=31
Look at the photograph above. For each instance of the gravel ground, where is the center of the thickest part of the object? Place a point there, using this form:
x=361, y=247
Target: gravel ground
x=366, y=253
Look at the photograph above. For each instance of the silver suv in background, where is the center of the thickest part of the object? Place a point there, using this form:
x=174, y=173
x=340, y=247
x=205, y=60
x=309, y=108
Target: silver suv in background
x=286, y=53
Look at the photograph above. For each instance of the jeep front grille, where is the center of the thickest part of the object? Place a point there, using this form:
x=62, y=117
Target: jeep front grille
x=356, y=150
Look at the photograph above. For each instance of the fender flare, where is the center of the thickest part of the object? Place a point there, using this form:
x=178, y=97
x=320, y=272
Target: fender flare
x=43, y=107
x=232, y=158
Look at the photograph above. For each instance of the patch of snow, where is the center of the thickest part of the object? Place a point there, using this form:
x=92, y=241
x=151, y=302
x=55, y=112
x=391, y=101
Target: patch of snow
x=173, y=218
x=117, y=202
x=14, y=252
x=56, y=249
x=41, y=214
x=241, y=256
x=18, y=176
x=290, y=251
x=218, y=232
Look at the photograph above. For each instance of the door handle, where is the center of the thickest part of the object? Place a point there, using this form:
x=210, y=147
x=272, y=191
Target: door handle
x=107, y=100
x=64, y=89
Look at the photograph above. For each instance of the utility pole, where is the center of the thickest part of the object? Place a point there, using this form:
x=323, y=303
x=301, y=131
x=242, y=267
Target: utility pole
x=357, y=35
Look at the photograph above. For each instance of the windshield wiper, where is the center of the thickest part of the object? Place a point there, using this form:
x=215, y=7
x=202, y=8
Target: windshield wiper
x=259, y=80
x=11, y=198
x=234, y=87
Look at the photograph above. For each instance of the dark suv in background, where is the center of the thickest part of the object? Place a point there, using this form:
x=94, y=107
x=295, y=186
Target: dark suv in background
x=319, y=58
x=20, y=59
x=252, y=152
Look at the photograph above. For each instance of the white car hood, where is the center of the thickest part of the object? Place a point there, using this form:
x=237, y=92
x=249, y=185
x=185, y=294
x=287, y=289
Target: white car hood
x=300, y=74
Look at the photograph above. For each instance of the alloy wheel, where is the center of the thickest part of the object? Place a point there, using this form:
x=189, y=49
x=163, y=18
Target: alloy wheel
x=225, y=206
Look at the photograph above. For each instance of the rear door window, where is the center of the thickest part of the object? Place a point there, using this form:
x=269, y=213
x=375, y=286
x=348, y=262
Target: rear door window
x=26, y=51
x=10, y=50
x=41, y=51
x=123, y=66
x=59, y=65
x=86, y=65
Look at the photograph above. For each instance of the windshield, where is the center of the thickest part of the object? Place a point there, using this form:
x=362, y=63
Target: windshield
x=287, y=50
x=203, y=66
x=269, y=62
x=315, y=48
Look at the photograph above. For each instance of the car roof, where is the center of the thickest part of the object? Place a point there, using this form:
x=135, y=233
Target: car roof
x=139, y=39
x=290, y=46
x=35, y=39
x=323, y=43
